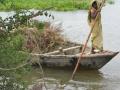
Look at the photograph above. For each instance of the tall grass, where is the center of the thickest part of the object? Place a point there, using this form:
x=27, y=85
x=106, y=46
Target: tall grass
x=61, y=5
x=40, y=4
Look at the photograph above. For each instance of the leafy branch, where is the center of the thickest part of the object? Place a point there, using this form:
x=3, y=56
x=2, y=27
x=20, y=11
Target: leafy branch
x=22, y=17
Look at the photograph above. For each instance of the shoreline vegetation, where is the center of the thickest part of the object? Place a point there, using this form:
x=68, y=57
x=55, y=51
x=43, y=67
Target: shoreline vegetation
x=58, y=5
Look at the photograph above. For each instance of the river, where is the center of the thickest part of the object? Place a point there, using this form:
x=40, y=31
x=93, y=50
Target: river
x=76, y=29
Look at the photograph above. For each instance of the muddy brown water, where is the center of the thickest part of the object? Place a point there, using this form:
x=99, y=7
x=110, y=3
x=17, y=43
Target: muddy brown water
x=76, y=29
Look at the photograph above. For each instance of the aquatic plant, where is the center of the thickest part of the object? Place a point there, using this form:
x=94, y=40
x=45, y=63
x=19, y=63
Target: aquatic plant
x=111, y=1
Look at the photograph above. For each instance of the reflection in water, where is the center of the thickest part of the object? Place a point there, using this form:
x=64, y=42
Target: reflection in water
x=57, y=79
x=65, y=74
x=83, y=79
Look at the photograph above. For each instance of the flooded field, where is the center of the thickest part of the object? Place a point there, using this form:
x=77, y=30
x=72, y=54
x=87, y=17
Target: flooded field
x=76, y=29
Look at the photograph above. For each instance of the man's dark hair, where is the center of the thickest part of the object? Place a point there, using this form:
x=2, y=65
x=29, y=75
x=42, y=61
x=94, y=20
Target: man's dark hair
x=94, y=5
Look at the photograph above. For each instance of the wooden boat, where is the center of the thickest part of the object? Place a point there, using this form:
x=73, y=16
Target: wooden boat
x=69, y=56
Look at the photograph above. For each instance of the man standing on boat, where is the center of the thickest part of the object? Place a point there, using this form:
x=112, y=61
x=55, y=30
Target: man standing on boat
x=96, y=38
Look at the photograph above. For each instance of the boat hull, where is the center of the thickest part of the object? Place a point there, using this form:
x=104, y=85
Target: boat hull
x=88, y=61
x=68, y=57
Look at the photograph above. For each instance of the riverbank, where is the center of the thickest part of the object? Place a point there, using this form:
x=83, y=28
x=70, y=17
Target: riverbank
x=61, y=5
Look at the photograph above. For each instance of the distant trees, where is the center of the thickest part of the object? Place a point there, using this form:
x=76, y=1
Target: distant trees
x=2, y=1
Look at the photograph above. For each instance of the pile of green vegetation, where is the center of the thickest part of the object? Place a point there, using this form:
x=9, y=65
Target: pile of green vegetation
x=12, y=39
x=15, y=48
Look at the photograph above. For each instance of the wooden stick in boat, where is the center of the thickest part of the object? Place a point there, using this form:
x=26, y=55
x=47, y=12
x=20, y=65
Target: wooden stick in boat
x=85, y=45
x=57, y=51
x=106, y=54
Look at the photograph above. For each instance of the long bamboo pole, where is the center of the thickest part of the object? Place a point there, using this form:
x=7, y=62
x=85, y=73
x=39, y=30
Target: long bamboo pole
x=85, y=45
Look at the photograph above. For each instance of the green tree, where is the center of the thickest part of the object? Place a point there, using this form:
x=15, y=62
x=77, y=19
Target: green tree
x=2, y=1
